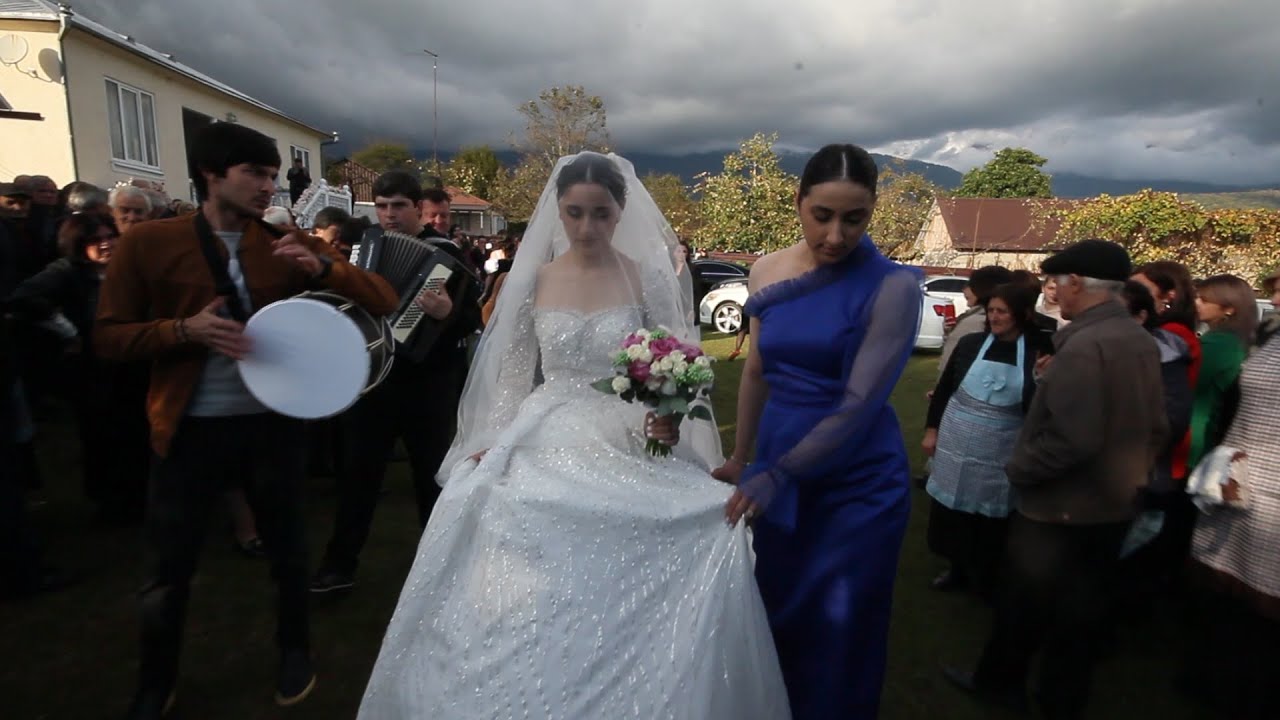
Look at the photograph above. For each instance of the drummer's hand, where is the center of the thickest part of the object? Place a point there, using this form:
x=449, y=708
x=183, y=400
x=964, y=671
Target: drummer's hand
x=289, y=248
x=219, y=333
x=435, y=303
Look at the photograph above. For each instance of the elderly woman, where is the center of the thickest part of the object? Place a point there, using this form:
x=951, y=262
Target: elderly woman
x=975, y=415
x=109, y=398
x=129, y=206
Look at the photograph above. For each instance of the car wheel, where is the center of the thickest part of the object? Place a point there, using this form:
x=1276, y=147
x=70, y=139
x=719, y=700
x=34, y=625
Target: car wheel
x=727, y=318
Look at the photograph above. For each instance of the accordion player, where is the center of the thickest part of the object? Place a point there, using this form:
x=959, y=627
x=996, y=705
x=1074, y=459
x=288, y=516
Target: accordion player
x=412, y=266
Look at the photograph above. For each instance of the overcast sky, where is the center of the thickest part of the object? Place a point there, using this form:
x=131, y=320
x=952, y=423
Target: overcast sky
x=1164, y=89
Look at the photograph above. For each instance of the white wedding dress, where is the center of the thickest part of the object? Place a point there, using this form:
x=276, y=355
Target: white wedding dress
x=572, y=576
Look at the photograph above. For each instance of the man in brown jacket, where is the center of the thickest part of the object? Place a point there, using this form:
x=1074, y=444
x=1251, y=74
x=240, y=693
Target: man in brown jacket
x=160, y=301
x=1088, y=445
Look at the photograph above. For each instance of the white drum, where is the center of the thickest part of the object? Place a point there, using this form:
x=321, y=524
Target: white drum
x=315, y=354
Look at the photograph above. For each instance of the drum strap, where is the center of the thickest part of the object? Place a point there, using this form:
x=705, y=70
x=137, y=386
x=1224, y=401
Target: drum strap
x=222, y=284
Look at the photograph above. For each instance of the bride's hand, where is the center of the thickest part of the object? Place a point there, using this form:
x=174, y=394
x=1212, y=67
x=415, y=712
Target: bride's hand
x=663, y=429
x=478, y=456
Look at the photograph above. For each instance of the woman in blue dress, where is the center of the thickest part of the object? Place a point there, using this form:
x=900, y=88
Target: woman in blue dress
x=833, y=323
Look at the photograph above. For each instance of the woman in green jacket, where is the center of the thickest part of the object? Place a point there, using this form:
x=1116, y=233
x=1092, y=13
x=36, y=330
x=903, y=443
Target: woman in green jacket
x=1226, y=305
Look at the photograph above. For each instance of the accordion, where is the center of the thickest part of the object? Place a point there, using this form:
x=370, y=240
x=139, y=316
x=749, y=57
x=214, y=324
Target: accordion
x=412, y=266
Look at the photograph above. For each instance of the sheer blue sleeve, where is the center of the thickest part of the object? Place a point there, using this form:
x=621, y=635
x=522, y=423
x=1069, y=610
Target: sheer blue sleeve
x=893, y=323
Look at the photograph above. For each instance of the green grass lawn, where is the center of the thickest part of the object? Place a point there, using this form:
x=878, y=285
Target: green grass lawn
x=73, y=655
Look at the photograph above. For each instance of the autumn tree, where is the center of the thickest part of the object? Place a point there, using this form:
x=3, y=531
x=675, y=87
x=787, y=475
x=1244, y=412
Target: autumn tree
x=750, y=205
x=475, y=170
x=562, y=121
x=673, y=199
x=1012, y=173
x=1161, y=226
x=384, y=156
x=903, y=201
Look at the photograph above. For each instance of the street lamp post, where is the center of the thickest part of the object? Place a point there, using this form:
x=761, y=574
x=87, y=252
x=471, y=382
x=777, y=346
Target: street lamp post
x=435, y=114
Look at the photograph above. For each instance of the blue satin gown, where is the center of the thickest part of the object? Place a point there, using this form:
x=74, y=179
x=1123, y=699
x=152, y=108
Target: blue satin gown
x=832, y=468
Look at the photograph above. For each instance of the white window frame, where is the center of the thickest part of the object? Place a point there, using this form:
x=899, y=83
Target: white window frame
x=296, y=152
x=148, y=148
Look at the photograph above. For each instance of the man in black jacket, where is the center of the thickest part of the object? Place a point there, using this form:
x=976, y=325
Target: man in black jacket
x=417, y=403
x=299, y=180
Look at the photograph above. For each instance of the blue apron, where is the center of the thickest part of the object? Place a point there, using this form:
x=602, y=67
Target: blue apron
x=977, y=435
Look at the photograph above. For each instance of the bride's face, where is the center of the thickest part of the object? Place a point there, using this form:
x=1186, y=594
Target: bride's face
x=590, y=215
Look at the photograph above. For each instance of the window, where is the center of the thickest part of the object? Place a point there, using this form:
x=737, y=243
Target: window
x=297, y=153
x=951, y=285
x=131, y=117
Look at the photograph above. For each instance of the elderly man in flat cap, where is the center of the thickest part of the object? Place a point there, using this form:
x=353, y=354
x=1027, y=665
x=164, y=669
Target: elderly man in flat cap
x=1088, y=445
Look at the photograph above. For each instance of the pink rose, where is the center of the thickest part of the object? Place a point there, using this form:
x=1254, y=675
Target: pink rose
x=631, y=340
x=638, y=371
x=664, y=347
x=691, y=352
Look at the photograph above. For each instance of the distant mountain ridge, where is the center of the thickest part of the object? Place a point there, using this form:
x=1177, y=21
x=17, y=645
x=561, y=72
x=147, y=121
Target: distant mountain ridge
x=1065, y=185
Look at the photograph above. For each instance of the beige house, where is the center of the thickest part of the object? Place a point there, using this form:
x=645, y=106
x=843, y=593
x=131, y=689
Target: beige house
x=969, y=233
x=79, y=101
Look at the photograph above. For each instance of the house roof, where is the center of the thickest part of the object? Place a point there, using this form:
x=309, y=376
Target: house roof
x=46, y=10
x=461, y=200
x=1002, y=224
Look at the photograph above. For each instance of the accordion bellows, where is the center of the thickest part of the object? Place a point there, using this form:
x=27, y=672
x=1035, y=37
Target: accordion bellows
x=412, y=266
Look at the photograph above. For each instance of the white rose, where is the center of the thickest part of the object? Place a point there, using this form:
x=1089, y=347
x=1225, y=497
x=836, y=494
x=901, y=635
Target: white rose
x=703, y=361
x=621, y=384
x=679, y=368
x=643, y=334
x=669, y=387
x=676, y=356
x=639, y=352
x=654, y=384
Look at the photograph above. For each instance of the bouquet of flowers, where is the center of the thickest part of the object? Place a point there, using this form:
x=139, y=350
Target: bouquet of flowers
x=664, y=374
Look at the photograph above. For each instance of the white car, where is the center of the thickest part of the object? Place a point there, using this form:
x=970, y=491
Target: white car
x=721, y=308
x=949, y=286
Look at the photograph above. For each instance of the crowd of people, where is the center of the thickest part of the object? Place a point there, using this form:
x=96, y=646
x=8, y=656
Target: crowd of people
x=1101, y=441
x=1091, y=443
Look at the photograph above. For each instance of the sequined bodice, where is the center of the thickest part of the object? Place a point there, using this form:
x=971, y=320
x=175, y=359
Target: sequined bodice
x=577, y=346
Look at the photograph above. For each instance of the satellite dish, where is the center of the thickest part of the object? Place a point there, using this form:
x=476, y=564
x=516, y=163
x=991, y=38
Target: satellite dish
x=12, y=49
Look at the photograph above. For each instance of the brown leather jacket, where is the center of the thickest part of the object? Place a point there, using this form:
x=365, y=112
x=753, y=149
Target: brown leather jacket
x=159, y=274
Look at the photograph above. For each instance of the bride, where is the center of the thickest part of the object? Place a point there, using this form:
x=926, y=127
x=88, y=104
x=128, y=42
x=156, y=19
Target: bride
x=565, y=573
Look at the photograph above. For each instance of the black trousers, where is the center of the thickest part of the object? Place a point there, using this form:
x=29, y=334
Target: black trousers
x=1056, y=598
x=417, y=404
x=267, y=453
x=110, y=404
x=974, y=544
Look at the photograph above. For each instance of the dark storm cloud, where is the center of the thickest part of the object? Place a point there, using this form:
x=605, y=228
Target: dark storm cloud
x=1178, y=88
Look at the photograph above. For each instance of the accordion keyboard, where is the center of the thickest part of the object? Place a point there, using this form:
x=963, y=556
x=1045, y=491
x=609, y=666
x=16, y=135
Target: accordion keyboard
x=412, y=315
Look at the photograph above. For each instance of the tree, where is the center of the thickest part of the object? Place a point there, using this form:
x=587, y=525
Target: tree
x=475, y=170
x=516, y=191
x=672, y=198
x=1012, y=173
x=1161, y=226
x=562, y=121
x=384, y=156
x=903, y=201
x=750, y=205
